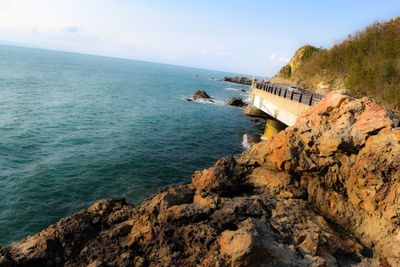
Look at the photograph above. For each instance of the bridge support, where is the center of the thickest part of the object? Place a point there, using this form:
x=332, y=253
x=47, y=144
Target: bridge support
x=273, y=127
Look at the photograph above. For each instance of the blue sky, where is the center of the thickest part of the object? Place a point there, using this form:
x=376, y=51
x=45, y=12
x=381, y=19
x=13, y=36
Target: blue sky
x=249, y=37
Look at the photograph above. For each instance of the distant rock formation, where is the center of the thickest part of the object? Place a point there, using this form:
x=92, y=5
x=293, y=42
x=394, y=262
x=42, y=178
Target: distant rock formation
x=324, y=192
x=239, y=79
x=236, y=101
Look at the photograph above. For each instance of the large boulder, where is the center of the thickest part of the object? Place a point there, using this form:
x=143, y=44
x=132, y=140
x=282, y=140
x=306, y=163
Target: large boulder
x=236, y=101
x=200, y=94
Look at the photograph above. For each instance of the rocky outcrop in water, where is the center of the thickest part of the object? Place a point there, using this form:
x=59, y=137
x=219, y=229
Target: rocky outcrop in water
x=200, y=94
x=236, y=101
x=324, y=192
x=239, y=79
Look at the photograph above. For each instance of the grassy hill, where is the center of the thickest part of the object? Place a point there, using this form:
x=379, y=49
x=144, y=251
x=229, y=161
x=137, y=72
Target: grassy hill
x=366, y=64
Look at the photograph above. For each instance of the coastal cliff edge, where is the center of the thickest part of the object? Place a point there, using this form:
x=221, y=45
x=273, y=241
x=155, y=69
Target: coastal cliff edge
x=324, y=192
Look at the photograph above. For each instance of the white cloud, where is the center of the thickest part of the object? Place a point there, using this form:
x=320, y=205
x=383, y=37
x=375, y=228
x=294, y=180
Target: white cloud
x=278, y=58
x=284, y=59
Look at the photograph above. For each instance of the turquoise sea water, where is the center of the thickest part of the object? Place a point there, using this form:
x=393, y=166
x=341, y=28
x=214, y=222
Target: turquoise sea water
x=75, y=128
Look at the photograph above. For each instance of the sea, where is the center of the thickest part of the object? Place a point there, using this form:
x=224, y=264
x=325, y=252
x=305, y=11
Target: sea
x=75, y=128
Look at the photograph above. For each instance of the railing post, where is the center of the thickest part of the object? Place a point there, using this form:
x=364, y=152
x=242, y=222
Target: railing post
x=311, y=98
x=291, y=96
x=280, y=91
x=301, y=96
x=284, y=94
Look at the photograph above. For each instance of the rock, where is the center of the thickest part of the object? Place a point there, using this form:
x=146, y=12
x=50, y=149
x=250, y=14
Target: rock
x=253, y=244
x=239, y=79
x=324, y=192
x=236, y=101
x=242, y=90
x=200, y=94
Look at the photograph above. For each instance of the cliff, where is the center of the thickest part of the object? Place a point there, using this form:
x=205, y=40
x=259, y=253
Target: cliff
x=364, y=64
x=324, y=192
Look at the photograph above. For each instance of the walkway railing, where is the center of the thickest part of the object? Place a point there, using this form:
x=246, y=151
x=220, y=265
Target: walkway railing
x=307, y=97
x=298, y=95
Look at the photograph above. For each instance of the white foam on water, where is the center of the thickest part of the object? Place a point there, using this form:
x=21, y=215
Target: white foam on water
x=245, y=141
x=204, y=101
x=247, y=100
x=214, y=101
x=230, y=89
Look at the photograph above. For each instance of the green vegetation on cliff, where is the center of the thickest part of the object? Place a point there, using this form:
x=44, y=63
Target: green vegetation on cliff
x=366, y=63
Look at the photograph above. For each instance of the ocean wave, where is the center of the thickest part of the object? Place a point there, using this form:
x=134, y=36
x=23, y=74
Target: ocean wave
x=246, y=100
x=251, y=138
x=213, y=101
x=231, y=89
x=245, y=141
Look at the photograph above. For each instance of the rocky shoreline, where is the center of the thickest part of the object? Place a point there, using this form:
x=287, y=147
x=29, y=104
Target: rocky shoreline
x=325, y=192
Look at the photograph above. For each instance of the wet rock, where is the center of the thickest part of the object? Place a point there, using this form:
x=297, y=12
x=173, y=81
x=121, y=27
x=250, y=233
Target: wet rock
x=236, y=101
x=200, y=94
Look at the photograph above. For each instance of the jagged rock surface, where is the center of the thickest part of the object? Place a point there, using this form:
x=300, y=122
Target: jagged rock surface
x=236, y=101
x=324, y=192
x=200, y=94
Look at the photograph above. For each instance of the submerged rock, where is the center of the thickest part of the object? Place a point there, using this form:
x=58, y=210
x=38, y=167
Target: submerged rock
x=325, y=192
x=236, y=101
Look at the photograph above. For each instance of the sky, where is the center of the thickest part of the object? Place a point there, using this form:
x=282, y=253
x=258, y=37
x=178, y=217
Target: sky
x=242, y=36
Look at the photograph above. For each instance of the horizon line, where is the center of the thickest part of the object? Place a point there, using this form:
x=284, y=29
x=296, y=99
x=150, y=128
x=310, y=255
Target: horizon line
x=19, y=45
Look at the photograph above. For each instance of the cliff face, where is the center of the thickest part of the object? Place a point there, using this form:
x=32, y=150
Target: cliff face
x=295, y=72
x=323, y=192
x=365, y=64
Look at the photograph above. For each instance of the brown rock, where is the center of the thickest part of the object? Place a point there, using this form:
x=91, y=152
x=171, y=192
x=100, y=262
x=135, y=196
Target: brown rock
x=200, y=94
x=236, y=101
x=324, y=192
